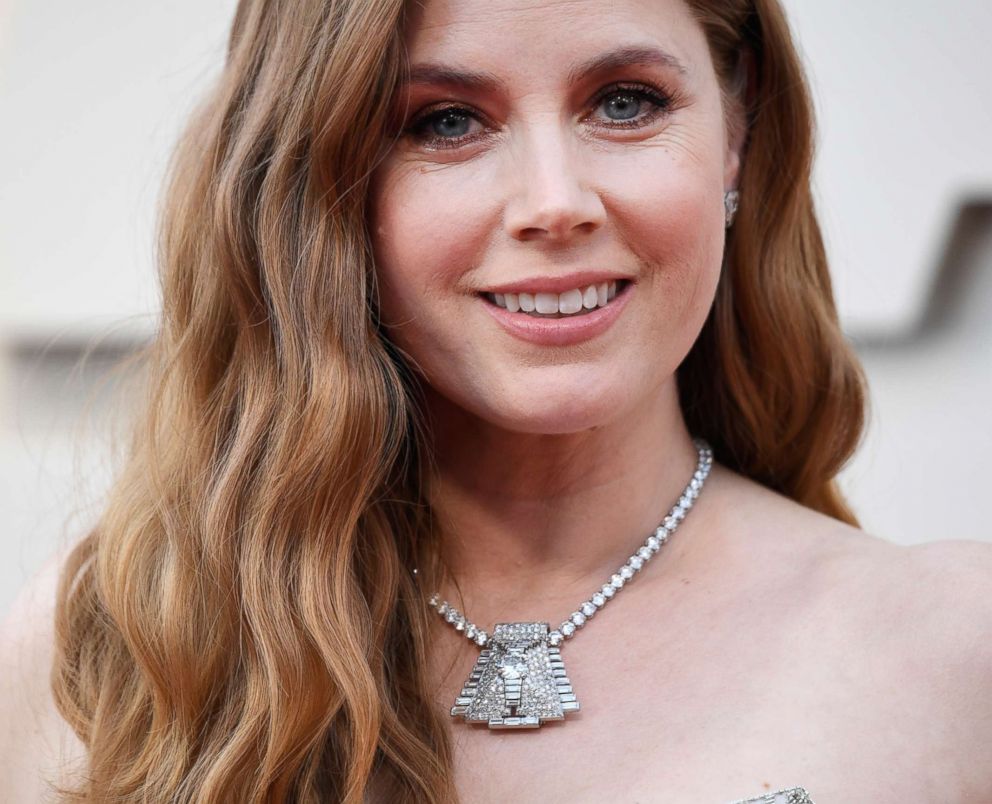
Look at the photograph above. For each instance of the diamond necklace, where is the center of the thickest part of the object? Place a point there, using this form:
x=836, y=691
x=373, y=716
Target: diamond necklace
x=519, y=679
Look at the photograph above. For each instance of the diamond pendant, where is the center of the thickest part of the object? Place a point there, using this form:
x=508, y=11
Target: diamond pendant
x=518, y=682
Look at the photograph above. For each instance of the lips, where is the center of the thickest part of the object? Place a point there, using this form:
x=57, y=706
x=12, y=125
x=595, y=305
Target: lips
x=556, y=329
x=556, y=284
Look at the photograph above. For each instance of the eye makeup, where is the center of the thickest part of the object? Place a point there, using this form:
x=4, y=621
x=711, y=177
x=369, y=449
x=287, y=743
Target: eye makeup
x=659, y=102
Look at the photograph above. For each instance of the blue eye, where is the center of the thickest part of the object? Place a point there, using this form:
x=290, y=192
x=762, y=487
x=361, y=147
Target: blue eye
x=449, y=122
x=628, y=105
x=627, y=102
x=448, y=127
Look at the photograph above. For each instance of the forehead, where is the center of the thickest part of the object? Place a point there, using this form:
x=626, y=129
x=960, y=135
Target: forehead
x=531, y=35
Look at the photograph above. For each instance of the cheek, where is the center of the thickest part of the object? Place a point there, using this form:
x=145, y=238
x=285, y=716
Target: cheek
x=426, y=230
x=667, y=210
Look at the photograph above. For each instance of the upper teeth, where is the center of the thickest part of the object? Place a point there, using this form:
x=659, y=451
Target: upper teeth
x=567, y=303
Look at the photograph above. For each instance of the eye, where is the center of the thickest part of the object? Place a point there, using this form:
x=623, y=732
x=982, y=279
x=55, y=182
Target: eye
x=446, y=127
x=633, y=105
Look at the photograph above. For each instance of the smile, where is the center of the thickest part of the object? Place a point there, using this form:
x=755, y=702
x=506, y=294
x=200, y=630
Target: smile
x=578, y=301
x=560, y=319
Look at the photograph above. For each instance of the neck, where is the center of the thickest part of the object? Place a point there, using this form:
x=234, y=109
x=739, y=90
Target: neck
x=529, y=520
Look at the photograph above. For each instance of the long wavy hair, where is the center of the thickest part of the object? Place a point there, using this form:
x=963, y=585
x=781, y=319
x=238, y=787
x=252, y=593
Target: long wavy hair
x=240, y=624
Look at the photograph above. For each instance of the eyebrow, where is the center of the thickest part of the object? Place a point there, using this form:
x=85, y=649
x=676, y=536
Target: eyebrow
x=481, y=81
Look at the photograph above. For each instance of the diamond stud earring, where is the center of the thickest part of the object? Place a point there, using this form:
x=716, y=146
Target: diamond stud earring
x=731, y=200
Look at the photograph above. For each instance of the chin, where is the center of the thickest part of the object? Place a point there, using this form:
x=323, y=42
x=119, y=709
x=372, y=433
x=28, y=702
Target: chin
x=554, y=410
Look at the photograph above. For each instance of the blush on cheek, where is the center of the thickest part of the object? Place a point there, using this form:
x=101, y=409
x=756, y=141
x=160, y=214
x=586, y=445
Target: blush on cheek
x=674, y=223
x=429, y=230
x=674, y=226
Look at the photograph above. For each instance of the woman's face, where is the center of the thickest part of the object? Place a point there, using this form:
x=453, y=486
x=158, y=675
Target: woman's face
x=550, y=150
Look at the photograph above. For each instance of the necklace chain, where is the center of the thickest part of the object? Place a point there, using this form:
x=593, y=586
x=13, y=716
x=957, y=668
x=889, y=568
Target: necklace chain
x=621, y=578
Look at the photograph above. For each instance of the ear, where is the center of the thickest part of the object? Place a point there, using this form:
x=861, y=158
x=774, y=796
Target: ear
x=743, y=91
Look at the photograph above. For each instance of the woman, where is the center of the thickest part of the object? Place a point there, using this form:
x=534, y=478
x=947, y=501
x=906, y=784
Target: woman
x=449, y=292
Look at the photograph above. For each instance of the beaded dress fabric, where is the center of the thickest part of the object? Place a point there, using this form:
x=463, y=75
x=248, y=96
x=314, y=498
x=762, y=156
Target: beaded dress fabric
x=794, y=795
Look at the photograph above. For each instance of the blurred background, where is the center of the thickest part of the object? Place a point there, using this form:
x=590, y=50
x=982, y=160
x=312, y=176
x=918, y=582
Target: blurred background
x=93, y=95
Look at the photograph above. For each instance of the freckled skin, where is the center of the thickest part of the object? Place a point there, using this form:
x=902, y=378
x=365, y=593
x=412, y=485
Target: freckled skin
x=552, y=189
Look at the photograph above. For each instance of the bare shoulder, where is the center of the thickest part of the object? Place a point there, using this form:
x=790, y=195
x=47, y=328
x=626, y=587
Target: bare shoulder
x=889, y=647
x=935, y=597
x=926, y=612
x=916, y=622
x=929, y=603
x=941, y=593
x=37, y=747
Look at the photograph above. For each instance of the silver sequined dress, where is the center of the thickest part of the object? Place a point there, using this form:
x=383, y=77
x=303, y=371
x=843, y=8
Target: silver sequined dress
x=794, y=795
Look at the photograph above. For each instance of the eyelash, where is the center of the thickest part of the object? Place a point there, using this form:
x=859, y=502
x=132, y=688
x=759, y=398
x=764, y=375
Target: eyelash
x=662, y=102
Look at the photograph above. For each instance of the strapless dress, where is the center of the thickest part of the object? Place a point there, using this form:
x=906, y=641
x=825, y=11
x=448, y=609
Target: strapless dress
x=794, y=795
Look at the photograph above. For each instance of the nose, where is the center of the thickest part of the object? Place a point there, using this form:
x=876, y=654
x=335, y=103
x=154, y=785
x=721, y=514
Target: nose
x=552, y=200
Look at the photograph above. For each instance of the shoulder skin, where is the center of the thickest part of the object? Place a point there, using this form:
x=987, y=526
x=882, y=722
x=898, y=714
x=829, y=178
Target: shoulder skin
x=37, y=747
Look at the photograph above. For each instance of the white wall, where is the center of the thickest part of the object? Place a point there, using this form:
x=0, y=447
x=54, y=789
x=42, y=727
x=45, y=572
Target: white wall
x=904, y=97
x=93, y=94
